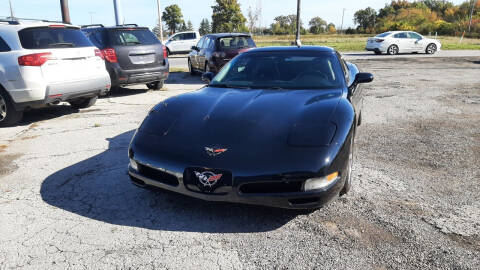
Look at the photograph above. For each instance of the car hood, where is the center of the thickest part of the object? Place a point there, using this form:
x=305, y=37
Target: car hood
x=253, y=125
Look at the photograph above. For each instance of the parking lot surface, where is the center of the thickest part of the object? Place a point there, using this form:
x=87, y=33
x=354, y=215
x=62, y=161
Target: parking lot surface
x=66, y=200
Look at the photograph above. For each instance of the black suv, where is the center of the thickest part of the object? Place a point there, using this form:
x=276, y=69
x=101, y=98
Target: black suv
x=132, y=54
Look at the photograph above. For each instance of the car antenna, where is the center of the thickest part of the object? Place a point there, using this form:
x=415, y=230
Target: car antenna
x=298, y=42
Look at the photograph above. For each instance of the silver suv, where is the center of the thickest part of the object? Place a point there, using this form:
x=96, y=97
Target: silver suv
x=45, y=63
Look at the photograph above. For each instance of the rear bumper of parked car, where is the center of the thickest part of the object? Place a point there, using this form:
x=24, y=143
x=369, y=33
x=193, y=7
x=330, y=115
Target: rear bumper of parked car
x=294, y=199
x=121, y=76
x=47, y=93
x=377, y=47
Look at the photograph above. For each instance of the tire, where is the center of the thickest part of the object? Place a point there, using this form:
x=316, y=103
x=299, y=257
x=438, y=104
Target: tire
x=431, y=49
x=168, y=52
x=348, y=178
x=8, y=115
x=190, y=68
x=155, y=85
x=82, y=103
x=393, y=50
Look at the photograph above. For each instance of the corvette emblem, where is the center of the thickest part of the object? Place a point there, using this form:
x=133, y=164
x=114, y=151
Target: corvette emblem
x=208, y=179
x=215, y=151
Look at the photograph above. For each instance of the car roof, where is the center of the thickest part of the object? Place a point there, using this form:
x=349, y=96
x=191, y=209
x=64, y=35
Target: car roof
x=220, y=35
x=293, y=49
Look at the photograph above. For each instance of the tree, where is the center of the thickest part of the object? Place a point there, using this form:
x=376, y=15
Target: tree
x=331, y=28
x=227, y=17
x=173, y=17
x=317, y=25
x=190, y=26
x=253, y=17
x=286, y=25
x=183, y=27
x=204, y=27
x=365, y=18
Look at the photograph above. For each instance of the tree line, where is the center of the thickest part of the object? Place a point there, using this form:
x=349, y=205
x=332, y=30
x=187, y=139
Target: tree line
x=424, y=16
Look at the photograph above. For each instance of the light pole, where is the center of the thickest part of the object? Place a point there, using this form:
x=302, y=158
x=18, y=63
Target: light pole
x=118, y=12
x=341, y=27
x=160, y=27
x=297, y=39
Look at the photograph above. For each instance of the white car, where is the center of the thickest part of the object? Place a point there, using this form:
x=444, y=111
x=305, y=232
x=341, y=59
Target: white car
x=182, y=42
x=43, y=63
x=396, y=42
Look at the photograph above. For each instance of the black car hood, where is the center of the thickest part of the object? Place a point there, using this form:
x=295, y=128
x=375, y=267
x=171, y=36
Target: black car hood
x=253, y=125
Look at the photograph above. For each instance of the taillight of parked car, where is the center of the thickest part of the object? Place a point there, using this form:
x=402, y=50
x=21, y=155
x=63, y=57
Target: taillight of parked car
x=110, y=55
x=165, y=54
x=379, y=40
x=36, y=59
x=99, y=53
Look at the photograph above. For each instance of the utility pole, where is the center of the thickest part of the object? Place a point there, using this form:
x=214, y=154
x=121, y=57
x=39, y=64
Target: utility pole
x=297, y=39
x=471, y=15
x=11, y=10
x=343, y=16
x=160, y=26
x=65, y=11
x=118, y=12
x=91, y=16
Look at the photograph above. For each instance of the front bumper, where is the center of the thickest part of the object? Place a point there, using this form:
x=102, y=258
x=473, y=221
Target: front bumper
x=290, y=200
x=121, y=76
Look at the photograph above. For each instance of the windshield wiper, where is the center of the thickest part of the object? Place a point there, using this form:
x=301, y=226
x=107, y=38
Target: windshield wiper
x=67, y=44
x=224, y=85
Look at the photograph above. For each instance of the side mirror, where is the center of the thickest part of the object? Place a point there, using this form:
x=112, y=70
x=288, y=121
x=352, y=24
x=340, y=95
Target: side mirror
x=195, y=48
x=363, y=77
x=207, y=77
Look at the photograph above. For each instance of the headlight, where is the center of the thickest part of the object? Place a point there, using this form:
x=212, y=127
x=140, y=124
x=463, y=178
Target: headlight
x=133, y=164
x=304, y=135
x=320, y=183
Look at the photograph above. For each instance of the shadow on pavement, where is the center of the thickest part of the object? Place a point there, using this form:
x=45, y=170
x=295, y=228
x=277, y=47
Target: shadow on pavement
x=183, y=78
x=99, y=188
x=47, y=113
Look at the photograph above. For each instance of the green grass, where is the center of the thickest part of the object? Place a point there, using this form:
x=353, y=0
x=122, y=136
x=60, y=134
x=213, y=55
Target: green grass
x=345, y=43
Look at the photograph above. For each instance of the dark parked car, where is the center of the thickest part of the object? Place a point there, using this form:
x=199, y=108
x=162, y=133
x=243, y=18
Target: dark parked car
x=132, y=54
x=215, y=50
x=275, y=127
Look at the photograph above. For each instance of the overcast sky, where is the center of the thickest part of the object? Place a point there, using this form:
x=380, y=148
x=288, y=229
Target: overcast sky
x=144, y=12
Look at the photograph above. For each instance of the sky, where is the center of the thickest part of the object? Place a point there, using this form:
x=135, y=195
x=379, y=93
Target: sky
x=144, y=12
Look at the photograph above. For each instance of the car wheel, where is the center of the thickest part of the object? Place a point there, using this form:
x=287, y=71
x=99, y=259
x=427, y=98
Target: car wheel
x=168, y=52
x=8, y=115
x=392, y=50
x=348, y=178
x=431, y=49
x=82, y=103
x=155, y=85
x=190, y=67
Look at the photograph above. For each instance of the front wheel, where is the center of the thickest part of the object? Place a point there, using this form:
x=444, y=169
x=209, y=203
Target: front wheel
x=393, y=50
x=155, y=85
x=431, y=49
x=8, y=115
x=83, y=103
x=348, y=177
x=190, y=68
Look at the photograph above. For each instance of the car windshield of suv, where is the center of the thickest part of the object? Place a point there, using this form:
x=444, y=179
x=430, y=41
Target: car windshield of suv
x=232, y=43
x=133, y=36
x=281, y=70
x=52, y=37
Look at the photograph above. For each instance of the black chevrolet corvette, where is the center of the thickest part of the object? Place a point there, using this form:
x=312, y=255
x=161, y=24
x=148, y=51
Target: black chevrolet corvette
x=274, y=127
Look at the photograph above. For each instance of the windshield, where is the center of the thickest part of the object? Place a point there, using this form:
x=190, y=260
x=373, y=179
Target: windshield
x=232, y=43
x=52, y=37
x=133, y=36
x=281, y=70
x=384, y=34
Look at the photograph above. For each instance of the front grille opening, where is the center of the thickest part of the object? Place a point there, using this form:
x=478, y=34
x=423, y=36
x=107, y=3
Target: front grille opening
x=304, y=200
x=158, y=175
x=272, y=187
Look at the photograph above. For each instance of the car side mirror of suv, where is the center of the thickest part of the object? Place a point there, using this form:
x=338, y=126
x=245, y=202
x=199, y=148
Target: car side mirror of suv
x=363, y=78
x=207, y=77
x=195, y=48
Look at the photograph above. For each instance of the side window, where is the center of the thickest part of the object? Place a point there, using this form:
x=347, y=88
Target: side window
x=190, y=36
x=3, y=46
x=414, y=35
x=401, y=35
x=175, y=38
x=207, y=43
